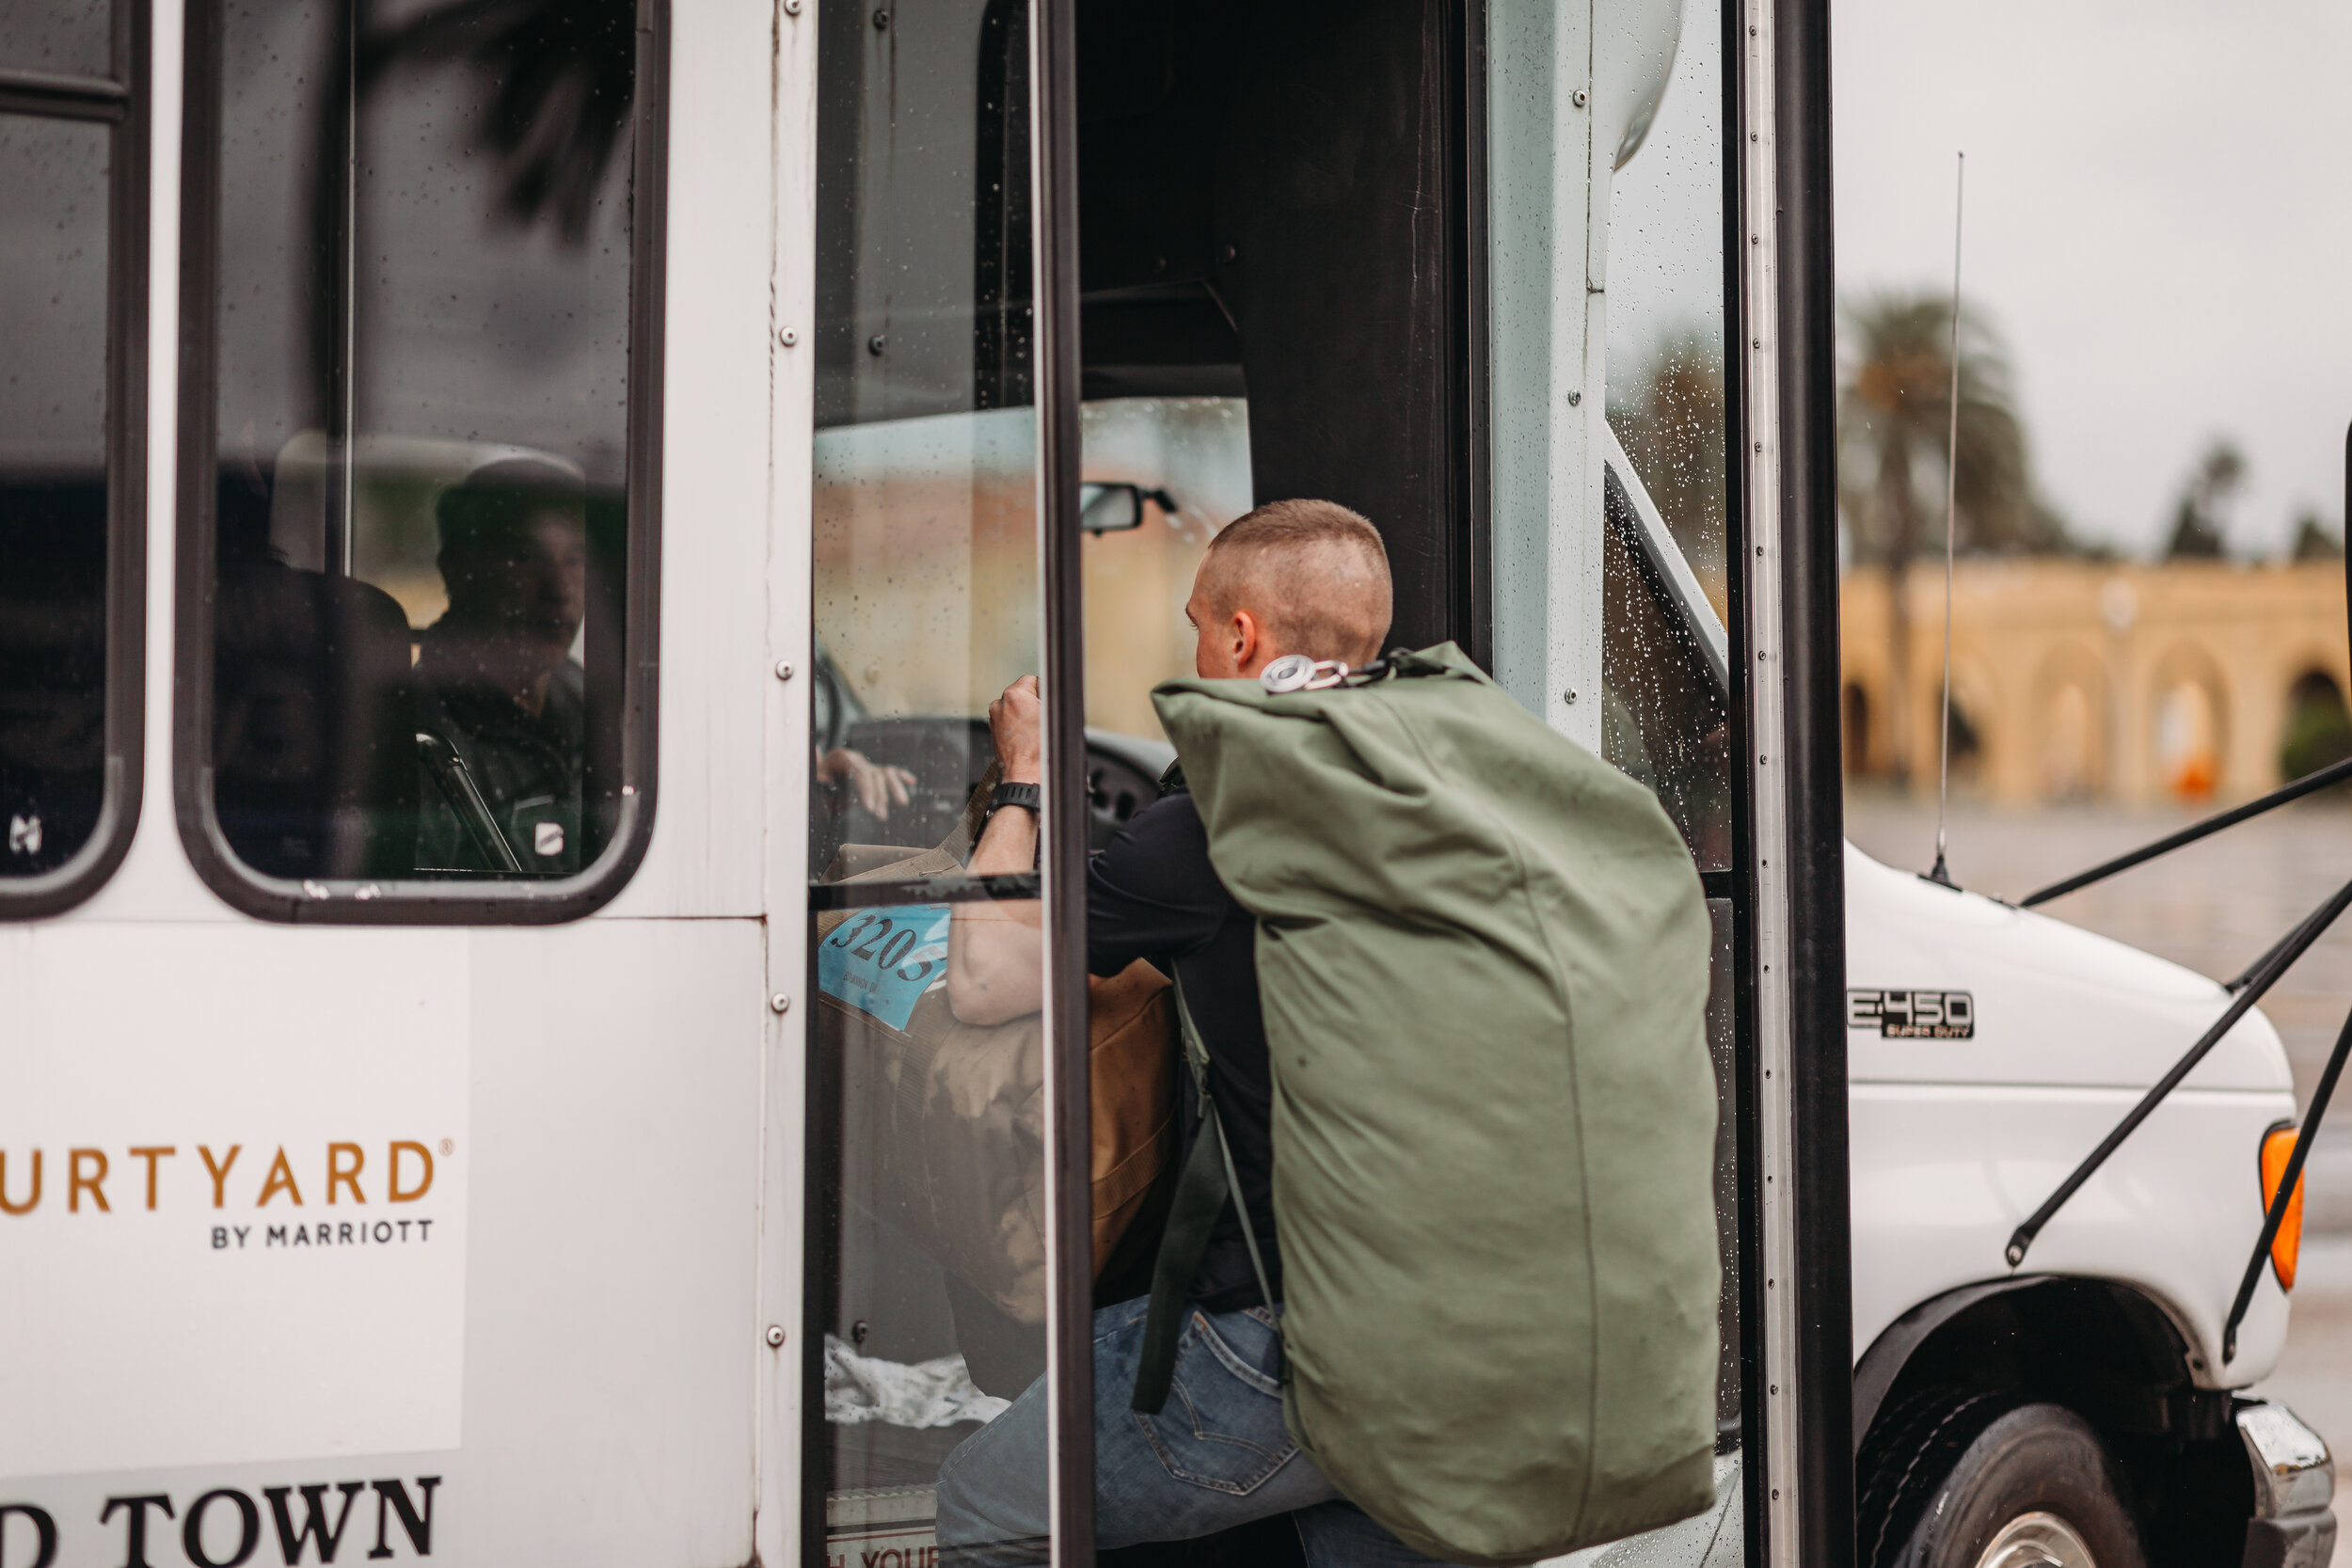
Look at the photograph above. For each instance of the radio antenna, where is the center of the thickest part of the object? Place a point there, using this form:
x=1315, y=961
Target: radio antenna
x=1951, y=496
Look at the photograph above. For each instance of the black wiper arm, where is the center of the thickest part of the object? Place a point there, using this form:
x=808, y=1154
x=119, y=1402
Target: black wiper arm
x=2280, y=959
x=2333, y=774
x=2246, y=975
x=2288, y=1179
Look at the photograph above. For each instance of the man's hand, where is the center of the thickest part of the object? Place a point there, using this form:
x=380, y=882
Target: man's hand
x=997, y=951
x=878, y=785
x=1016, y=723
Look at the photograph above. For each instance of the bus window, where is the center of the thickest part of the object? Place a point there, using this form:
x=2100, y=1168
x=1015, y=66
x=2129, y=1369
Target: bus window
x=57, y=38
x=1665, y=587
x=415, y=493
x=53, y=511
x=1666, y=678
x=927, y=1265
x=71, y=290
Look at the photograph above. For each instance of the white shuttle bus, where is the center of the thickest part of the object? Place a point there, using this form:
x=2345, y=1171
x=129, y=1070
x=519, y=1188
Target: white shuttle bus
x=511, y=515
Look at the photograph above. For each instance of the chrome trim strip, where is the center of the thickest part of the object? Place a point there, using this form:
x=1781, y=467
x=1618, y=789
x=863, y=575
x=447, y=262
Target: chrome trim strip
x=1769, y=804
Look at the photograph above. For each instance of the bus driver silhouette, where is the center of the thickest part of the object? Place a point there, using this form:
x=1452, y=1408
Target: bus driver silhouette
x=496, y=679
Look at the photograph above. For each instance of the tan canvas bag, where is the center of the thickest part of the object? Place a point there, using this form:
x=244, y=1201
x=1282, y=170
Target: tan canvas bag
x=948, y=1117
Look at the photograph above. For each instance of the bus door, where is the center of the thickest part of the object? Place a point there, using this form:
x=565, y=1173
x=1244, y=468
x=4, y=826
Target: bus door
x=1084, y=281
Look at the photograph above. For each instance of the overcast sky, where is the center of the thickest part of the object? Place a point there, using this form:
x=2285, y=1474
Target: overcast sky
x=2159, y=222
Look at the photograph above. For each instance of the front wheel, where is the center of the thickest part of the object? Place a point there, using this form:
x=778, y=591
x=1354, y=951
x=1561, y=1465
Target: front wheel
x=1987, y=1481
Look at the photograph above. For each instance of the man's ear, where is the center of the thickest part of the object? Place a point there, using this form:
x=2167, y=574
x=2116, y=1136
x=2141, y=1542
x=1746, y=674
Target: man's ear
x=1246, y=638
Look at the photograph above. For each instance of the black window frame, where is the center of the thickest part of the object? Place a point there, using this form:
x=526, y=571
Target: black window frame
x=120, y=99
x=1818, y=1295
x=1820, y=1299
x=352, y=902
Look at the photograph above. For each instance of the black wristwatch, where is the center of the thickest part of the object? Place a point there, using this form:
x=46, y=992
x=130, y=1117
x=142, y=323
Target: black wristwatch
x=1027, y=795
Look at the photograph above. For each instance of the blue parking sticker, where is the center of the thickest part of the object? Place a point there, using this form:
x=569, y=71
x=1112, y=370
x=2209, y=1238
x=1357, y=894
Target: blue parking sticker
x=881, y=960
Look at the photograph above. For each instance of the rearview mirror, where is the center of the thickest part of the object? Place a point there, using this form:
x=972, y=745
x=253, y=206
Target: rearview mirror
x=1116, y=508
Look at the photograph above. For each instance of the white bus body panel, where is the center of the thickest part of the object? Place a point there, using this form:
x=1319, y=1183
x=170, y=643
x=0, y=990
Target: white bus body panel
x=581, y=1367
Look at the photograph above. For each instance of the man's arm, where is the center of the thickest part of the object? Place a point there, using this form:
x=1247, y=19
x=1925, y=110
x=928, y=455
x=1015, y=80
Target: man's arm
x=997, y=951
x=1151, y=894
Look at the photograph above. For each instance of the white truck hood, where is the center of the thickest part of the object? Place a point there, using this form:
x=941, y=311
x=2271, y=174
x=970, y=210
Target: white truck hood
x=2048, y=1002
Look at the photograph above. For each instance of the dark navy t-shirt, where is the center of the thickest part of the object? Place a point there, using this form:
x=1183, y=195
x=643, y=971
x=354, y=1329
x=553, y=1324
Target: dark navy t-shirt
x=1153, y=894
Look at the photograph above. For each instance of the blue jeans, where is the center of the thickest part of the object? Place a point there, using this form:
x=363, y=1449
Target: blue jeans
x=1215, y=1456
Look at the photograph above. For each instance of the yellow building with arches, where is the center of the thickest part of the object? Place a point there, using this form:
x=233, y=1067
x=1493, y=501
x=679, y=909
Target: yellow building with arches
x=2076, y=679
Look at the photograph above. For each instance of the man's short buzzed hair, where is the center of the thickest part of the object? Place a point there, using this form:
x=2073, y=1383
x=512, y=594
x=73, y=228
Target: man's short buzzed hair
x=1314, y=573
x=499, y=499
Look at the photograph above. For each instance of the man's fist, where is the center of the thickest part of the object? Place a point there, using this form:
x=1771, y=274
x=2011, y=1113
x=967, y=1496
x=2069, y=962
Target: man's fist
x=1016, y=723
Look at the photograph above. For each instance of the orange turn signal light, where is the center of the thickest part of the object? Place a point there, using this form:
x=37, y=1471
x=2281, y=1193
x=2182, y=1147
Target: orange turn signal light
x=2278, y=1146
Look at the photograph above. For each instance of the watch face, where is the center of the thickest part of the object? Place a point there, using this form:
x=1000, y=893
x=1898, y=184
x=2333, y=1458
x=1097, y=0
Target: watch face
x=1290, y=672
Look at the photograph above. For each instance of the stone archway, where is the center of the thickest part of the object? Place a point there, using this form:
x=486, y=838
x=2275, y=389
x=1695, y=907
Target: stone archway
x=2318, y=728
x=2070, y=724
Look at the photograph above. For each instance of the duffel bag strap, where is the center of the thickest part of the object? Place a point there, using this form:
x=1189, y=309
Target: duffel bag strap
x=1200, y=1057
x=1200, y=1197
x=1202, y=1192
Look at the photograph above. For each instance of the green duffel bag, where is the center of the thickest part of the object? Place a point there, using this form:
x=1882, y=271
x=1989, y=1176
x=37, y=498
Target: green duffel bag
x=1483, y=954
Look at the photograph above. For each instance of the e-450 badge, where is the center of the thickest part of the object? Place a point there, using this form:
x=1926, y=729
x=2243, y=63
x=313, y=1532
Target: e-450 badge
x=1913, y=1015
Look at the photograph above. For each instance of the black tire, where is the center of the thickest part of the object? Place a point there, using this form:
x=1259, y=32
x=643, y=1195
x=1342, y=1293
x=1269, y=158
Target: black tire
x=1944, y=1476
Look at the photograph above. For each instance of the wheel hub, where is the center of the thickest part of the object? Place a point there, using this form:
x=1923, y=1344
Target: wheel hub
x=2037, y=1540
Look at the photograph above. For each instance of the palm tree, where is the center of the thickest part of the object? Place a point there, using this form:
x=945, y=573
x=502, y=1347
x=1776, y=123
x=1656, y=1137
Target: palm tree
x=566, y=75
x=1893, y=414
x=2313, y=541
x=2201, y=521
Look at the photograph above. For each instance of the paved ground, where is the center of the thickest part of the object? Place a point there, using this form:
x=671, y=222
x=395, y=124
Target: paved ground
x=2213, y=907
